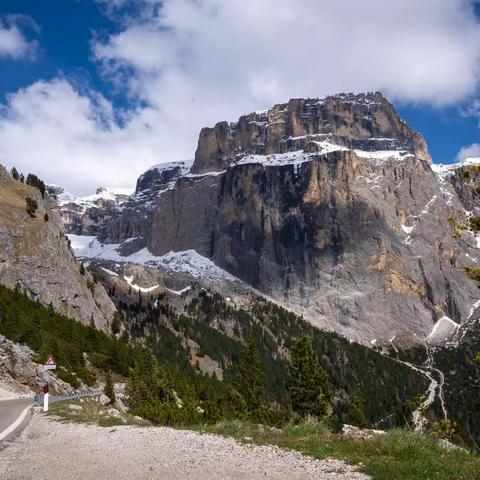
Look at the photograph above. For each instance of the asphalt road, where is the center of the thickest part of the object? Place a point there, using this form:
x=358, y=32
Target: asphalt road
x=13, y=416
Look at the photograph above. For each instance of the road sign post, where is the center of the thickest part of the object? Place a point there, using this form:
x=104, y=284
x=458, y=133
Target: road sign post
x=45, y=398
x=50, y=364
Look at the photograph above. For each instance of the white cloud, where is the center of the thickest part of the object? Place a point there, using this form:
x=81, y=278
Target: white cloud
x=71, y=139
x=263, y=52
x=472, y=151
x=196, y=62
x=13, y=43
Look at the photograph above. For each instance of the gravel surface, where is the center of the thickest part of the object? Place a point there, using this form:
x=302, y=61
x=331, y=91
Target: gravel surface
x=48, y=449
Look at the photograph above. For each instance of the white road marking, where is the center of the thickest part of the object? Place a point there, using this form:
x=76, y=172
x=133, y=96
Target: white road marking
x=15, y=424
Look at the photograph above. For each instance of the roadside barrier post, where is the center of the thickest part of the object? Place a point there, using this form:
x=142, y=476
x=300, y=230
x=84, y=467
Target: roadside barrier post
x=45, y=398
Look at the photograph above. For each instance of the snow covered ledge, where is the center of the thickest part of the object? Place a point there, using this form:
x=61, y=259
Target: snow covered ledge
x=442, y=331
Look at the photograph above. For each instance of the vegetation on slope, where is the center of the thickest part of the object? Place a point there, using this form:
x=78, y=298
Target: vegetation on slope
x=221, y=332
x=48, y=333
x=397, y=455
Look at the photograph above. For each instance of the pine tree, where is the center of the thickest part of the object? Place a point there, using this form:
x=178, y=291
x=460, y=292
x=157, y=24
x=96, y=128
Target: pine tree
x=116, y=323
x=14, y=173
x=109, y=389
x=307, y=381
x=250, y=383
x=82, y=269
x=355, y=413
x=34, y=181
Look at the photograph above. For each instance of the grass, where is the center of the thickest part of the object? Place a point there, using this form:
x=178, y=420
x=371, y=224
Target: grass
x=92, y=412
x=397, y=455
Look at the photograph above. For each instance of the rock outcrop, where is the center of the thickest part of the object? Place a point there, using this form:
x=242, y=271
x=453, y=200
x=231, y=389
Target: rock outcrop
x=366, y=121
x=464, y=179
x=328, y=206
x=36, y=255
x=20, y=376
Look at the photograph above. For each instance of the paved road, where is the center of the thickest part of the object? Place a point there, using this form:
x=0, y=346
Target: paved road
x=13, y=415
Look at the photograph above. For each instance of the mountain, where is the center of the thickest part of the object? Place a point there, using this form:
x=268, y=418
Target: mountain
x=315, y=213
x=86, y=215
x=329, y=206
x=36, y=256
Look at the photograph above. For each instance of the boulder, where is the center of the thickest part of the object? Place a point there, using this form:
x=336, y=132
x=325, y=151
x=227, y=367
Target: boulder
x=75, y=408
x=350, y=432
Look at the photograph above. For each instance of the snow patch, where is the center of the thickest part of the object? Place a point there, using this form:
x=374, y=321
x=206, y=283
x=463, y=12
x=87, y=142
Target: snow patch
x=180, y=292
x=383, y=154
x=109, y=272
x=137, y=288
x=188, y=261
x=442, y=330
x=443, y=171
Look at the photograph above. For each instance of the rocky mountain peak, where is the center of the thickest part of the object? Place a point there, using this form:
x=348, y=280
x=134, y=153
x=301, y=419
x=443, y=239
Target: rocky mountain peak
x=160, y=176
x=367, y=122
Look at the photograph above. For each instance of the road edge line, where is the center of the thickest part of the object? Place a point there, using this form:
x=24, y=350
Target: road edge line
x=11, y=428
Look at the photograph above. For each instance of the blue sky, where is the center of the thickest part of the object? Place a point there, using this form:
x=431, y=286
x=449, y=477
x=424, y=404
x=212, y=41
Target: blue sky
x=94, y=92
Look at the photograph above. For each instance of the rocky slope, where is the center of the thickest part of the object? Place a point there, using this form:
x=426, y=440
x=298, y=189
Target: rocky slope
x=36, y=255
x=21, y=376
x=329, y=206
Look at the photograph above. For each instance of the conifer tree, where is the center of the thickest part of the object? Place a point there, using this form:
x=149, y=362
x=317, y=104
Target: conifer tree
x=116, y=323
x=356, y=414
x=307, y=381
x=109, y=389
x=250, y=383
x=14, y=173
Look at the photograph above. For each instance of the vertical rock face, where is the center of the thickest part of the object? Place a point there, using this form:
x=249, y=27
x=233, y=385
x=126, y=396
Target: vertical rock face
x=368, y=122
x=35, y=254
x=330, y=207
x=464, y=177
x=161, y=176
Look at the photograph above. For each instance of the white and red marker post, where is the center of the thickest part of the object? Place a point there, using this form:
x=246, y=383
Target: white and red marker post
x=50, y=364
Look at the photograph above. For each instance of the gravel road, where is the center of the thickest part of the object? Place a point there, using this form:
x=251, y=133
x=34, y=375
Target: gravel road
x=50, y=450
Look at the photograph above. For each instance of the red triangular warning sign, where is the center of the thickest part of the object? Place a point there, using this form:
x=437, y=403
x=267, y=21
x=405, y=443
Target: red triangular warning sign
x=50, y=361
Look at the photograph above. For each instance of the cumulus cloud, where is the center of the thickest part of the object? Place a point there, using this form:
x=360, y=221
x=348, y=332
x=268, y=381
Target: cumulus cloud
x=472, y=151
x=13, y=43
x=73, y=139
x=191, y=63
x=271, y=50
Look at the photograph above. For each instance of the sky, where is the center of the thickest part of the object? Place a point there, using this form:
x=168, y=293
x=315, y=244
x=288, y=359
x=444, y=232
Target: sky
x=94, y=92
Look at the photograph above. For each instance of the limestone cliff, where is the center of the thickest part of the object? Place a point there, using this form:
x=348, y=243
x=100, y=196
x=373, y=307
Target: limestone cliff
x=329, y=206
x=365, y=121
x=35, y=254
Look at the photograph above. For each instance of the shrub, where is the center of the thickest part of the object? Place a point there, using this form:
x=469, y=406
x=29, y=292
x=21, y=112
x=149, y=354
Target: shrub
x=473, y=273
x=444, y=429
x=31, y=206
x=475, y=224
